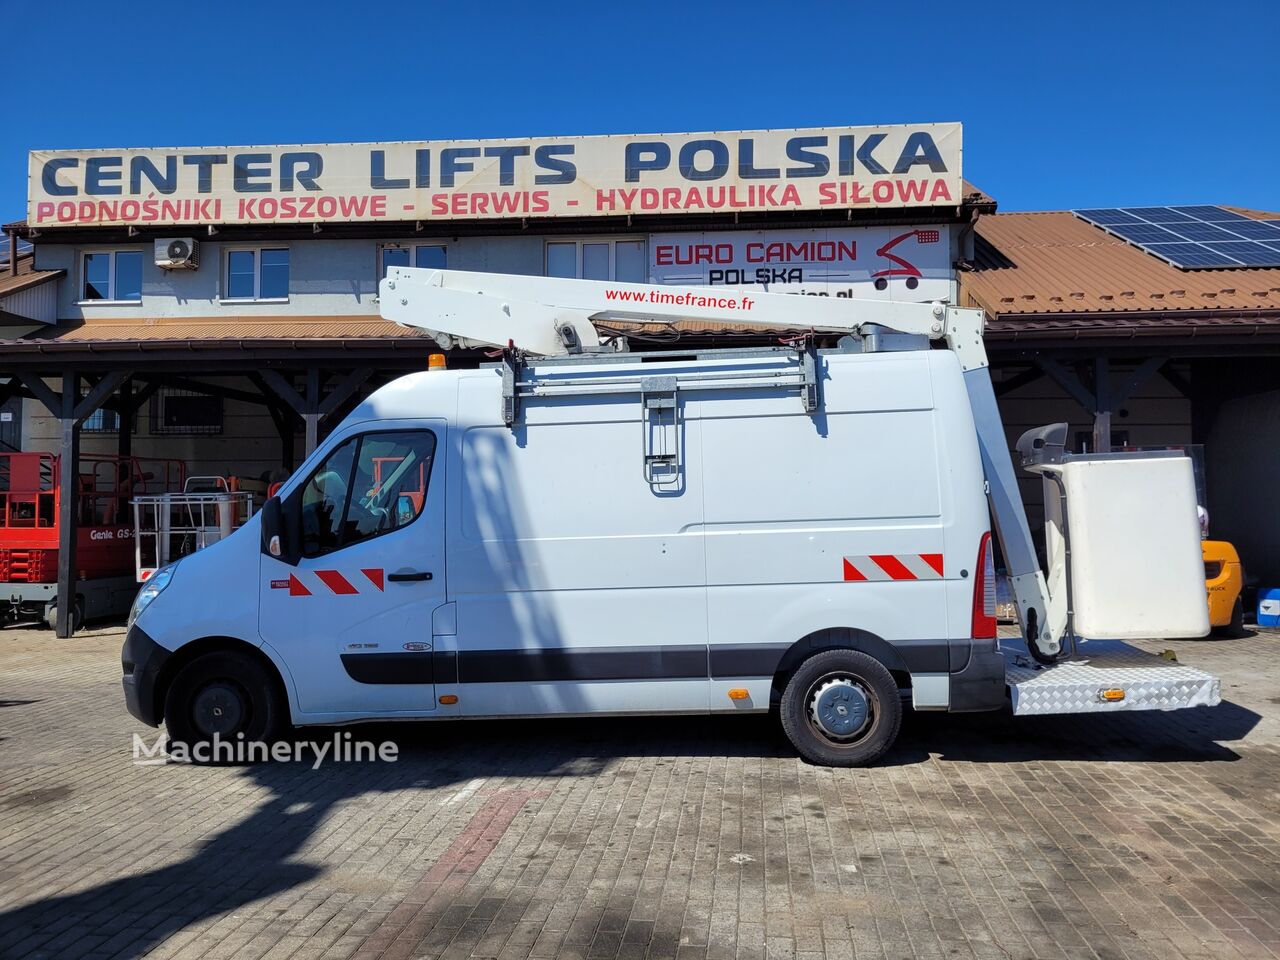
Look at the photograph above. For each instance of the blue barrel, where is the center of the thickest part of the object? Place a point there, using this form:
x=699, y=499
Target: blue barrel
x=1269, y=607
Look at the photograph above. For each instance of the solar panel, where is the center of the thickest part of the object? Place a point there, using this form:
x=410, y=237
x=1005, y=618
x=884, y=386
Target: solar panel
x=1162, y=215
x=1254, y=229
x=1248, y=252
x=1147, y=233
x=1107, y=216
x=1203, y=231
x=1193, y=237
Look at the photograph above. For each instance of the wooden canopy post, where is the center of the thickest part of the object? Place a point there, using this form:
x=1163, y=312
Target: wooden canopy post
x=68, y=500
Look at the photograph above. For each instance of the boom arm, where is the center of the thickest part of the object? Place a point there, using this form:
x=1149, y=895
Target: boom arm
x=549, y=316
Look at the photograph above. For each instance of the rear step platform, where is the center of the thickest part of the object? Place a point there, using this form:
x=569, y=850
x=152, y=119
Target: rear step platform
x=1103, y=676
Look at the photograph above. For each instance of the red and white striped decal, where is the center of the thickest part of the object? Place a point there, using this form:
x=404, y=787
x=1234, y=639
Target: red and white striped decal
x=894, y=566
x=336, y=582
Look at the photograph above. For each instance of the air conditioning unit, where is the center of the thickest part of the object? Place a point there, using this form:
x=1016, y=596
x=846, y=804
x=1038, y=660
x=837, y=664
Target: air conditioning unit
x=178, y=253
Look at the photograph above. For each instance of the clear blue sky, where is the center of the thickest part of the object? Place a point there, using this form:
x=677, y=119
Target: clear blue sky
x=1066, y=104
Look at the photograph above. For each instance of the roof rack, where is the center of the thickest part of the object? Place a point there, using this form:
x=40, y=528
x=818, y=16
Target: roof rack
x=797, y=370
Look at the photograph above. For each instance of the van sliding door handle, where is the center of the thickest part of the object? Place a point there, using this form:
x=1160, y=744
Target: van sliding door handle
x=409, y=575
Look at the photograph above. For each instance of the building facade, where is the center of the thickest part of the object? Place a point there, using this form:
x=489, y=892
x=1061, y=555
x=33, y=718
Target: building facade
x=218, y=305
x=287, y=245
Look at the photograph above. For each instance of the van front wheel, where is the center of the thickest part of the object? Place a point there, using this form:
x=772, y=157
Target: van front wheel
x=841, y=709
x=221, y=698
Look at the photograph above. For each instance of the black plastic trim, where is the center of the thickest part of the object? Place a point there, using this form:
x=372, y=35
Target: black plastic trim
x=748, y=660
x=583, y=663
x=142, y=659
x=682, y=662
x=981, y=684
x=676, y=662
x=761, y=660
x=417, y=667
x=445, y=664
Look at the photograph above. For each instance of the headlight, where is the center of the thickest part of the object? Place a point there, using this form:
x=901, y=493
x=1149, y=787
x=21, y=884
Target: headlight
x=150, y=590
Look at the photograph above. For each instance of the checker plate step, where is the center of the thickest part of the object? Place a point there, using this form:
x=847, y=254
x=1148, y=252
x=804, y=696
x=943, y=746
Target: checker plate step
x=1075, y=685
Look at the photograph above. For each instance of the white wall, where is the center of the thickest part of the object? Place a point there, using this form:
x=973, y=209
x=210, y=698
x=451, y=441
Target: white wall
x=39, y=302
x=326, y=277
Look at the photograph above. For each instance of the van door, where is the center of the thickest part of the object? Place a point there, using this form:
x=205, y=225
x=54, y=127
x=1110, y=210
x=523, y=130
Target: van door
x=353, y=619
x=579, y=586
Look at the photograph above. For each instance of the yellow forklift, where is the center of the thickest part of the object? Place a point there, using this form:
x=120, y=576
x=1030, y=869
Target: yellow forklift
x=1224, y=581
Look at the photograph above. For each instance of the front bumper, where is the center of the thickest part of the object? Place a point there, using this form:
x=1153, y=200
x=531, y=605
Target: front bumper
x=142, y=660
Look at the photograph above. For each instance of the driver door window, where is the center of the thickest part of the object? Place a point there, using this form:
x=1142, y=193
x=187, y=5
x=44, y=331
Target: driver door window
x=369, y=485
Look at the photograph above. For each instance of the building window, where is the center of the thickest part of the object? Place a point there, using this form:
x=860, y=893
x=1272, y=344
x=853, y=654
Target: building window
x=113, y=276
x=257, y=274
x=102, y=420
x=434, y=256
x=188, y=413
x=623, y=260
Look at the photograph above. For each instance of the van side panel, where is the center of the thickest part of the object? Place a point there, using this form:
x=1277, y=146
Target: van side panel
x=837, y=520
x=578, y=590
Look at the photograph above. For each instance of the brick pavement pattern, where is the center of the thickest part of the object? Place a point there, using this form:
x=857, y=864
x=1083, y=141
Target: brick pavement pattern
x=1125, y=837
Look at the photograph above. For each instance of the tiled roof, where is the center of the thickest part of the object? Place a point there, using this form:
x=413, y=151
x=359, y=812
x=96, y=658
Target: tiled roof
x=27, y=276
x=1036, y=264
x=181, y=329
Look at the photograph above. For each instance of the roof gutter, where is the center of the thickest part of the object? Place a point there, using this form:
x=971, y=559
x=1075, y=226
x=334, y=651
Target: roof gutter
x=1111, y=317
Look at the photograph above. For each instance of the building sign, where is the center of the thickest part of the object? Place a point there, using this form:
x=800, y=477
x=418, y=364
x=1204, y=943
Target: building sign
x=751, y=171
x=891, y=263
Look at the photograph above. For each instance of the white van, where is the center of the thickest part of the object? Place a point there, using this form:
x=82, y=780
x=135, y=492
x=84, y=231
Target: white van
x=605, y=534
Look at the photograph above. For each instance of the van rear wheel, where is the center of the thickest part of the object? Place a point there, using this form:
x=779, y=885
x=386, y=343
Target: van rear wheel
x=841, y=709
x=221, y=698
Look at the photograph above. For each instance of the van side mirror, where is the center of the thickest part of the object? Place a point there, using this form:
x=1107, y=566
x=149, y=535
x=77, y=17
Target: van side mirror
x=276, y=539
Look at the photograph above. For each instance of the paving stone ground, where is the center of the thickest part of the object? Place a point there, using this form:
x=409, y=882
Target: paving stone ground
x=1125, y=837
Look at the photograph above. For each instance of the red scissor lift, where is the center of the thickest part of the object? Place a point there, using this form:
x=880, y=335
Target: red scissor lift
x=30, y=498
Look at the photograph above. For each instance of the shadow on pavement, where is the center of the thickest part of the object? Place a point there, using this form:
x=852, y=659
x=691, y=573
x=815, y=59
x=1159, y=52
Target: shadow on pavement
x=1147, y=736
x=253, y=859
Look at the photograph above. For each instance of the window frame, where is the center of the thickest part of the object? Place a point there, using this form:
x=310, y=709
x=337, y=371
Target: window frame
x=298, y=491
x=158, y=428
x=413, y=248
x=610, y=241
x=112, y=300
x=89, y=427
x=224, y=276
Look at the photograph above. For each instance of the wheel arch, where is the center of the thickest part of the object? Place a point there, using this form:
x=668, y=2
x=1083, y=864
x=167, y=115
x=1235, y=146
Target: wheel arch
x=195, y=649
x=838, y=638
